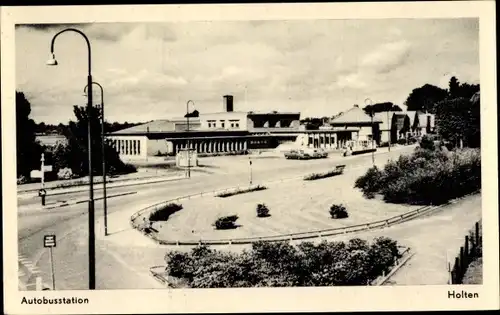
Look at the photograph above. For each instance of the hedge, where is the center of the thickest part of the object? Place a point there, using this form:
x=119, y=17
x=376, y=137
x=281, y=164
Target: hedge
x=162, y=214
x=280, y=264
x=241, y=191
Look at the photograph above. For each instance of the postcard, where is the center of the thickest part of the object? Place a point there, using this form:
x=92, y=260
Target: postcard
x=249, y=158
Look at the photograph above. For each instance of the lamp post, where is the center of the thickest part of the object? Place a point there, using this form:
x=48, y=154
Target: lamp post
x=389, y=124
x=53, y=62
x=369, y=102
x=103, y=156
x=187, y=141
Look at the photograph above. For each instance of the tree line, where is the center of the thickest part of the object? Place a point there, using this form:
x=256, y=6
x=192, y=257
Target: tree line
x=71, y=155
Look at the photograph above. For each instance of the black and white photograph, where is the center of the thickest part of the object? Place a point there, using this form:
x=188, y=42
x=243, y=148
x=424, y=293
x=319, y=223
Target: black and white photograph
x=248, y=152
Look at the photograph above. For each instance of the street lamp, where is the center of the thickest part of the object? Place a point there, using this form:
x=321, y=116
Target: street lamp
x=369, y=102
x=103, y=153
x=53, y=62
x=187, y=141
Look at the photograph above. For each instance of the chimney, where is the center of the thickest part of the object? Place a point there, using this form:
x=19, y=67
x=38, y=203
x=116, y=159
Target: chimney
x=228, y=103
x=356, y=105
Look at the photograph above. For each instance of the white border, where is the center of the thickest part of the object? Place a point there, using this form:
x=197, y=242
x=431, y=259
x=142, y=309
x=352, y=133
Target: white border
x=265, y=299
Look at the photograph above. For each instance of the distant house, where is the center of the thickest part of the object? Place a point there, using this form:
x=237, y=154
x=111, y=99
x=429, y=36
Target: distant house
x=425, y=123
x=355, y=124
x=388, y=126
x=51, y=140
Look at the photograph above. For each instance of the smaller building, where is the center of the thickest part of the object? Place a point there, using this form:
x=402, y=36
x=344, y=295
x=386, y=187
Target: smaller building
x=51, y=140
x=355, y=124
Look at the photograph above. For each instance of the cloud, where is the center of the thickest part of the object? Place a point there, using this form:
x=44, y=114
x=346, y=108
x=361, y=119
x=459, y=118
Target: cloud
x=387, y=56
x=353, y=81
x=150, y=70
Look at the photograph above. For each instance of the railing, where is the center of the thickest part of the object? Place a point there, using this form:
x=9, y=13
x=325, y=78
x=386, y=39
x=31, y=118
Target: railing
x=470, y=250
x=282, y=237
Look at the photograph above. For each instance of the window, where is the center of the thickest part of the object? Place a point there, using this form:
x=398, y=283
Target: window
x=232, y=125
x=139, y=147
x=209, y=125
x=222, y=124
x=237, y=125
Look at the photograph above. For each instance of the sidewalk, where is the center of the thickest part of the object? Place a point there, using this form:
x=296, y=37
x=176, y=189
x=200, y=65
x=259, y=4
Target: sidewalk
x=83, y=181
x=110, y=184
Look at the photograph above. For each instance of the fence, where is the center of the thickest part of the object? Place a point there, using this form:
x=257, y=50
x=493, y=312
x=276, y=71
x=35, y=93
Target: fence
x=472, y=249
x=275, y=238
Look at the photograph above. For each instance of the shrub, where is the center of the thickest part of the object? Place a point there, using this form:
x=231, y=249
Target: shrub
x=241, y=191
x=224, y=223
x=427, y=143
x=425, y=177
x=338, y=212
x=262, y=210
x=371, y=182
x=280, y=264
x=65, y=173
x=331, y=173
x=162, y=214
x=402, y=141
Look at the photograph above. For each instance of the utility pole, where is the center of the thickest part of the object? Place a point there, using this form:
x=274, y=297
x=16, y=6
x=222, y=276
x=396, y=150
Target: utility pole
x=389, y=125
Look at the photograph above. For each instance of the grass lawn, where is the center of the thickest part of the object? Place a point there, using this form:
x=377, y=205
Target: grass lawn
x=296, y=206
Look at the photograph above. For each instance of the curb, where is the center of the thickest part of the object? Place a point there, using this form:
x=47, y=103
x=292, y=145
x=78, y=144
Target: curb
x=64, y=190
x=78, y=201
x=396, y=268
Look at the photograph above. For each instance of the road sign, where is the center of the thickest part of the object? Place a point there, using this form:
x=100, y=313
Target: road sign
x=47, y=168
x=35, y=174
x=49, y=241
x=42, y=192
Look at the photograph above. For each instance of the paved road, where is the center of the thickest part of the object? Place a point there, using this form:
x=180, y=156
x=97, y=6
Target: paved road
x=70, y=223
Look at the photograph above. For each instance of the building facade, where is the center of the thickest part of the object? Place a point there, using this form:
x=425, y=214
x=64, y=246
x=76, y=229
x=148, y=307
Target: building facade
x=232, y=131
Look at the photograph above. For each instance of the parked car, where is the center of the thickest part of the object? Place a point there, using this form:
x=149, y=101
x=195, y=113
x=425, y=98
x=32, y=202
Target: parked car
x=306, y=153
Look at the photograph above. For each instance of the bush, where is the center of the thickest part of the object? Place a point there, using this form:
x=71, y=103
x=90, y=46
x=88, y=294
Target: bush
x=425, y=177
x=402, y=141
x=427, y=143
x=370, y=183
x=338, y=212
x=241, y=191
x=315, y=176
x=280, y=264
x=262, y=210
x=225, y=223
x=162, y=214
x=65, y=173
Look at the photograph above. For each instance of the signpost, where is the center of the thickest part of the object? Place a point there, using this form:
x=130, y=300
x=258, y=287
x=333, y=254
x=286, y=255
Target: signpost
x=250, y=162
x=50, y=242
x=41, y=174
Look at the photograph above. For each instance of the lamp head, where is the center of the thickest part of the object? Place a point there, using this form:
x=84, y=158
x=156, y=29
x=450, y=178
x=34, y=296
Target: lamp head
x=52, y=60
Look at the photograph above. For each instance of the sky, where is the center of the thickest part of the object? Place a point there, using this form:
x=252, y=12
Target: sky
x=316, y=67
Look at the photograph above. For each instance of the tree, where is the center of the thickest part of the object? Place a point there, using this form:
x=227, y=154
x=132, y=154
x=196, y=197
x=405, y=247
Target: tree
x=425, y=97
x=381, y=107
x=465, y=90
x=76, y=152
x=194, y=113
x=27, y=148
x=458, y=121
x=454, y=87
